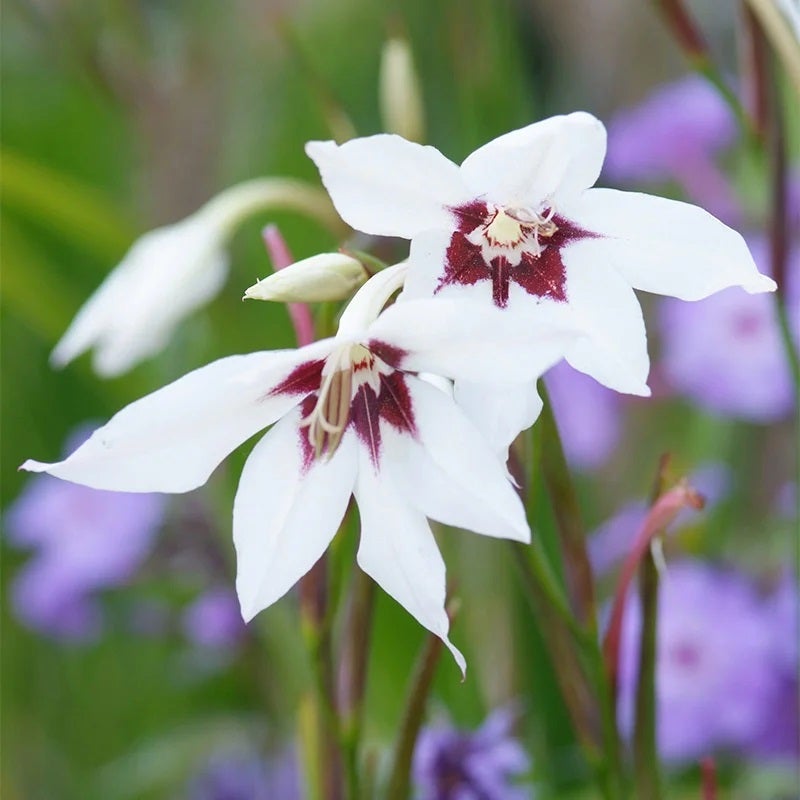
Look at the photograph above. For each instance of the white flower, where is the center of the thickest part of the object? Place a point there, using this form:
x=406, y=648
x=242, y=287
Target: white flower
x=352, y=417
x=171, y=271
x=518, y=226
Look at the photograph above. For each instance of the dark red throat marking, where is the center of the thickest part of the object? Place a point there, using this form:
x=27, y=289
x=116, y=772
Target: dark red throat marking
x=541, y=276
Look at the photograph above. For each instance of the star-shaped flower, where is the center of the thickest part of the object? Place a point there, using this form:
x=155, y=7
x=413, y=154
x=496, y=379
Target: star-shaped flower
x=352, y=417
x=518, y=226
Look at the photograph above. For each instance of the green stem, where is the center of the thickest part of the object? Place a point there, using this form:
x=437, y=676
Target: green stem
x=316, y=631
x=564, y=500
x=420, y=687
x=583, y=678
x=560, y=632
x=363, y=591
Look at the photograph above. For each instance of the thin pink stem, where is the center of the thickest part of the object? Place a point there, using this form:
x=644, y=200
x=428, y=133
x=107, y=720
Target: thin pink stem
x=300, y=313
x=663, y=511
x=708, y=771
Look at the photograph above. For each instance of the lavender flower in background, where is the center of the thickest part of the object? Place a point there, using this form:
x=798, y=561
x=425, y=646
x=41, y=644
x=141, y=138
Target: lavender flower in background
x=779, y=737
x=716, y=675
x=588, y=416
x=613, y=540
x=674, y=135
x=85, y=540
x=244, y=776
x=452, y=764
x=214, y=620
x=726, y=353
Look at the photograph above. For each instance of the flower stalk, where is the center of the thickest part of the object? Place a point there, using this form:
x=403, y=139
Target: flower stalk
x=690, y=39
x=355, y=684
x=316, y=630
x=419, y=690
x=646, y=773
x=564, y=500
x=576, y=653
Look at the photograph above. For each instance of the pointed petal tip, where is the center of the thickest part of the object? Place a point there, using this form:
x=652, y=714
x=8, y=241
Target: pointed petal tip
x=59, y=359
x=461, y=662
x=760, y=285
x=33, y=466
x=319, y=148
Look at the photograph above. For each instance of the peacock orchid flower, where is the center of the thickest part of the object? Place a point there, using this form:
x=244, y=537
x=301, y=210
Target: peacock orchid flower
x=351, y=416
x=517, y=226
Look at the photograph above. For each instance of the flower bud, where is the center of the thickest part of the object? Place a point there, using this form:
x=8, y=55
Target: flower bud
x=328, y=276
x=400, y=96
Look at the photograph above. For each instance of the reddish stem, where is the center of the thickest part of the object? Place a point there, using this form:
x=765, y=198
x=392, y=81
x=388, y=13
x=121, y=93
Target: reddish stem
x=300, y=313
x=686, y=31
x=663, y=511
x=708, y=772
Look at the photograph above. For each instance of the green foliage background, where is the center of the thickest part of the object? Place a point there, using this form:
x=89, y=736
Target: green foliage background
x=118, y=116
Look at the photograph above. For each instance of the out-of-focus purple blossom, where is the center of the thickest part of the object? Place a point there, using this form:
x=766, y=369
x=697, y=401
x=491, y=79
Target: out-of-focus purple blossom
x=588, y=416
x=214, y=620
x=715, y=675
x=613, y=540
x=779, y=736
x=485, y=764
x=243, y=776
x=726, y=352
x=674, y=135
x=85, y=540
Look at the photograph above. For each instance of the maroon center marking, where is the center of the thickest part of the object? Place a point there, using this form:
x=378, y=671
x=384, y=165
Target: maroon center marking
x=392, y=404
x=306, y=445
x=542, y=276
x=388, y=353
x=303, y=379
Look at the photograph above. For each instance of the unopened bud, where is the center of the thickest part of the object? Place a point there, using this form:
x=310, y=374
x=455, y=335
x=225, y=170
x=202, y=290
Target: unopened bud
x=328, y=276
x=400, y=95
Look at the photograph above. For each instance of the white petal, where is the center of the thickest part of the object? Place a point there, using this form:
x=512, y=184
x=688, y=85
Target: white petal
x=167, y=274
x=665, y=246
x=387, y=186
x=614, y=352
x=449, y=472
x=474, y=341
x=173, y=439
x=398, y=551
x=500, y=411
x=426, y=266
x=284, y=515
x=549, y=162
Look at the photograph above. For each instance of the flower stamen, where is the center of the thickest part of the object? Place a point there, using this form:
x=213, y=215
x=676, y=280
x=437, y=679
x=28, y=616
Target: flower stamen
x=327, y=421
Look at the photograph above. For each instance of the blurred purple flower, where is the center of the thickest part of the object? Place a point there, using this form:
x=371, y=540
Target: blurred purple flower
x=779, y=737
x=674, y=135
x=242, y=776
x=726, y=353
x=214, y=620
x=85, y=540
x=611, y=542
x=451, y=764
x=588, y=416
x=716, y=672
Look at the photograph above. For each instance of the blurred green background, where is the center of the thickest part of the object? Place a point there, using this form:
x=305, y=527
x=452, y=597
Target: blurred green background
x=119, y=115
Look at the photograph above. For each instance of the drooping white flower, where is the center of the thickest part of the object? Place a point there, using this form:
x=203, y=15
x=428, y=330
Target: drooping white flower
x=352, y=417
x=518, y=226
x=171, y=271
